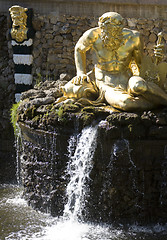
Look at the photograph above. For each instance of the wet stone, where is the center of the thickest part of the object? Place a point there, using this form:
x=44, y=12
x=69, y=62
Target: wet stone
x=32, y=93
x=42, y=101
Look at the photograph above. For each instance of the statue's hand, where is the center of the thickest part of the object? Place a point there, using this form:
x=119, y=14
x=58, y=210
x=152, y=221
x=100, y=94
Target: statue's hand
x=159, y=51
x=80, y=79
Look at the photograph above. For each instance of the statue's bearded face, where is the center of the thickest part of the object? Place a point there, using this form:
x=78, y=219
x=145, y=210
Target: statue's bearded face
x=19, y=23
x=111, y=34
x=19, y=20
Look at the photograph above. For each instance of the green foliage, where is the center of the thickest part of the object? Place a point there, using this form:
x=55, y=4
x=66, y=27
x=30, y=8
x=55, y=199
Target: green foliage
x=38, y=79
x=30, y=112
x=13, y=116
x=130, y=127
x=60, y=112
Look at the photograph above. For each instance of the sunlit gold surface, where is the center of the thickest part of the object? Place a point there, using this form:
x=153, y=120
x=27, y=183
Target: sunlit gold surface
x=116, y=48
x=19, y=22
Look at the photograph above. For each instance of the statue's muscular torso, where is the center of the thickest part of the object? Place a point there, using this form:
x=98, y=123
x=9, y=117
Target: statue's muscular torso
x=106, y=59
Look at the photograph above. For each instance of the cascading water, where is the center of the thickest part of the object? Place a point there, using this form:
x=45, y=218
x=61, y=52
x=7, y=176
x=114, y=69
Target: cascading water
x=120, y=149
x=18, y=146
x=79, y=167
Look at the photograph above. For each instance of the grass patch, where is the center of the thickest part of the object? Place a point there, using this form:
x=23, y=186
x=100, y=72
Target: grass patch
x=13, y=116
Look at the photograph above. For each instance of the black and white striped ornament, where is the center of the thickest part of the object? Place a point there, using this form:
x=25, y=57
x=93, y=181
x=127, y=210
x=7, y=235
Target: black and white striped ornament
x=23, y=59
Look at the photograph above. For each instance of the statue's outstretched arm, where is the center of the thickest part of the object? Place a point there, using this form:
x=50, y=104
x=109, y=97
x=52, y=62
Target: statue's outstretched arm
x=82, y=46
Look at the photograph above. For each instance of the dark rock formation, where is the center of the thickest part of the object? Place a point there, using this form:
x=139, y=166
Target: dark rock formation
x=7, y=87
x=130, y=169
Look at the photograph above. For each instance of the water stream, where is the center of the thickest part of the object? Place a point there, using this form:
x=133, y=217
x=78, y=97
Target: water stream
x=18, y=221
x=79, y=167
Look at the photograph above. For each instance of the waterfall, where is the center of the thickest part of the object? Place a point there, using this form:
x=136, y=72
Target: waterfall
x=19, y=153
x=121, y=151
x=79, y=168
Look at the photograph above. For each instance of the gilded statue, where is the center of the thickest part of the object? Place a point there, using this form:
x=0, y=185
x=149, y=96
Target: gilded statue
x=19, y=23
x=114, y=82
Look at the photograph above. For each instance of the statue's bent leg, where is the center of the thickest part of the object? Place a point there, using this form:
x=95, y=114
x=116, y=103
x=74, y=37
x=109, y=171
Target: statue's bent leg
x=149, y=90
x=124, y=101
x=137, y=86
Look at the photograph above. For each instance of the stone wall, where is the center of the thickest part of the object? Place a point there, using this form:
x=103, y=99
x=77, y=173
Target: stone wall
x=56, y=37
x=127, y=8
x=7, y=153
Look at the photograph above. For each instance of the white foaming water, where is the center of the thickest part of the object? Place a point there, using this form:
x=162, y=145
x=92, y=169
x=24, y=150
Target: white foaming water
x=17, y=201
x=64, y=230
x=79, y=167
x=72, y=230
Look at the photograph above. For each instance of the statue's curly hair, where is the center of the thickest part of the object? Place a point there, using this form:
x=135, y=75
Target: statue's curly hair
x=110, y=17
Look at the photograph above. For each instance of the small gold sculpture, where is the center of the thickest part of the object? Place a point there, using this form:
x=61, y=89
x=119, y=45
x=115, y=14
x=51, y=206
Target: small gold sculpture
x=115, y=83
x=19, y=23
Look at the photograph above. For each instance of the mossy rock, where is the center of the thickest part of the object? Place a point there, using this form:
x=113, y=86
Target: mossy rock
x=89, y=109
x=35, y=121
x=30, y=112
x=71, y=108
x=86, y=118
x=123, y=119
x=134, y=131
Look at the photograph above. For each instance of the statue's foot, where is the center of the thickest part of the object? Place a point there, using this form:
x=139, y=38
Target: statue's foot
x=70, y=101
x=61, y=99
x=64, y=100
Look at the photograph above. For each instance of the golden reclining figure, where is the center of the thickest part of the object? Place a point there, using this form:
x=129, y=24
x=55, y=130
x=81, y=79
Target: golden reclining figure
x=115, y=48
